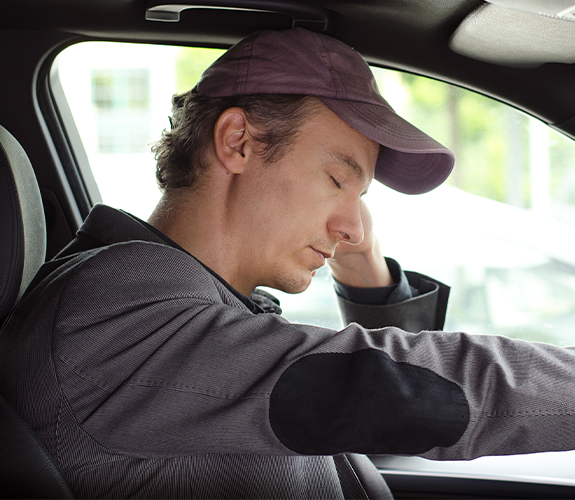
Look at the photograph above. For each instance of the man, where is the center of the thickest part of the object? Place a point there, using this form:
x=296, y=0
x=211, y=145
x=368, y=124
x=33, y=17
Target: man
x=148, y=372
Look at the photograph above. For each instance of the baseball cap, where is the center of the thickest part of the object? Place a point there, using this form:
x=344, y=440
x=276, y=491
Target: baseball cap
x=298, y=61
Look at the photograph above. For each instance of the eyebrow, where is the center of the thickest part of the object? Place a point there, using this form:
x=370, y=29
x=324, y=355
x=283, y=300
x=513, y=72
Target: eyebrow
x=351, y=163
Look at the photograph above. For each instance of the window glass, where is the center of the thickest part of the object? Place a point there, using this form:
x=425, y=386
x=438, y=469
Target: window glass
x=500, y=231
x=501, y=228
x=120, y=98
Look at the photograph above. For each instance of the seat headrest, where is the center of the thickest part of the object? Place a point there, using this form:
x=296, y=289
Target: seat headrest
x=22, y=223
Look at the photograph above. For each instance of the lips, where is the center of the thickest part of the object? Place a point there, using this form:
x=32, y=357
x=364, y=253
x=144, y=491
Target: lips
x=322, y=255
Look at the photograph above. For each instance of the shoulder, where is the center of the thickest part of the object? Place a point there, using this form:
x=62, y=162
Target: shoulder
x=122, y=272
x=146, y=264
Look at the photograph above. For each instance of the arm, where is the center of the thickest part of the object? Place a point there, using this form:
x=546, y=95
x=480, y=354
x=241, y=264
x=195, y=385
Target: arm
x=177, y=367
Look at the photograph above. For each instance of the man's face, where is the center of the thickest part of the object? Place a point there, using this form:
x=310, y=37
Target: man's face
x=306, y=203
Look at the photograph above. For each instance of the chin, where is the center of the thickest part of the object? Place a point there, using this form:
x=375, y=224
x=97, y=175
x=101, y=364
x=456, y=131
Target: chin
x=293, y=284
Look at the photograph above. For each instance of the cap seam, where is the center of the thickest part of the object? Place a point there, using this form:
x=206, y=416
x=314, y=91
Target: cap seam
x=338, y=82
x=244, y=67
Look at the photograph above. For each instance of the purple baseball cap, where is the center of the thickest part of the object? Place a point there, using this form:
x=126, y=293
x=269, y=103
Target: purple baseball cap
x=298, y=61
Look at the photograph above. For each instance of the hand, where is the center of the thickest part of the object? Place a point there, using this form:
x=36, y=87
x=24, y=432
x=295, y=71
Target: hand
x=361, y=265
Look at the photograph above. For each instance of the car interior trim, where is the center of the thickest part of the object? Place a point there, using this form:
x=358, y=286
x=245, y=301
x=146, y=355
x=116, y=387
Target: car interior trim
x=302, y=16
x=558, y=8
x=58, y=134
x=515, y=38
x=448, y=486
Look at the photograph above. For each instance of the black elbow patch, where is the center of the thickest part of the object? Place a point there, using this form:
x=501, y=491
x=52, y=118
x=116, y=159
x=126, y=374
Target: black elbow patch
x=364, y=402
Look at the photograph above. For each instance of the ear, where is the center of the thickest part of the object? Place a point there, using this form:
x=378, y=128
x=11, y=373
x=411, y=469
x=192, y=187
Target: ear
x=230, y=138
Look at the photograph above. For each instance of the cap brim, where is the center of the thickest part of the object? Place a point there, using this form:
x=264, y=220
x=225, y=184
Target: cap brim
x=410, y=161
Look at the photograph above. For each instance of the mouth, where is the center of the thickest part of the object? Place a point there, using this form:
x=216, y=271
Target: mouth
x=322, y=255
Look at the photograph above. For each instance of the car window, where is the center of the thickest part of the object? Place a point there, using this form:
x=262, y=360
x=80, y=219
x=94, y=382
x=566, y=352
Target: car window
x=500, y=231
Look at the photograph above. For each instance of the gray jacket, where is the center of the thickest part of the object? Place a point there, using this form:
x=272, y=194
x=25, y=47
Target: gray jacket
x=146, y=376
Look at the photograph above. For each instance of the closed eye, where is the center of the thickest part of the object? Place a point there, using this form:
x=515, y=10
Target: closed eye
x=337, y=184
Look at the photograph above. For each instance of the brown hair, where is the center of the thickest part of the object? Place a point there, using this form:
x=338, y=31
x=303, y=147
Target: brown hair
x=180, y=153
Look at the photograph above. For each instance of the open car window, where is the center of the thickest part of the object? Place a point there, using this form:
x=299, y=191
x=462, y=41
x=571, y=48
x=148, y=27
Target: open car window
x=500, y=231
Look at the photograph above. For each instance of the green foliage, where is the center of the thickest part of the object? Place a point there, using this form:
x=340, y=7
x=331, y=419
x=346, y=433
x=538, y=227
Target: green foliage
x=480, y=131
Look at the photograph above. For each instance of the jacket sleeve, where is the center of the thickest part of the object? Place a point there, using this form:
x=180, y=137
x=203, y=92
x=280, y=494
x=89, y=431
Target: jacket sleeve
x=164, y=363
x=415, y=303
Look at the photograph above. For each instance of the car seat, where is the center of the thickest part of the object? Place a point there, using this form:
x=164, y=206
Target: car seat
x=26, y=468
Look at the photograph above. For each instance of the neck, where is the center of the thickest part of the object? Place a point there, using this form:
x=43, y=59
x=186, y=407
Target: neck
x=198, y=221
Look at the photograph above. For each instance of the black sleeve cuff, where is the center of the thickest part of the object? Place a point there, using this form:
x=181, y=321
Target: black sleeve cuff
x=398, y=292
x=424, y=309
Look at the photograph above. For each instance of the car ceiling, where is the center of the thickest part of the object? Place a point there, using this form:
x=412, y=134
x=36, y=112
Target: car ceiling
x=412, y=35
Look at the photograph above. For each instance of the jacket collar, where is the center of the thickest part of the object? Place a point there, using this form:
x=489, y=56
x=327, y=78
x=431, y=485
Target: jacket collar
x=108, y=226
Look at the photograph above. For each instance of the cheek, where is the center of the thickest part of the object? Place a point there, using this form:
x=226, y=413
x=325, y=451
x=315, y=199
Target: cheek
x=294, y=211
x=289, y=209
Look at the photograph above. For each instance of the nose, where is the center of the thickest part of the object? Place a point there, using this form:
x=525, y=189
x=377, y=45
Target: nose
x=346, y=225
